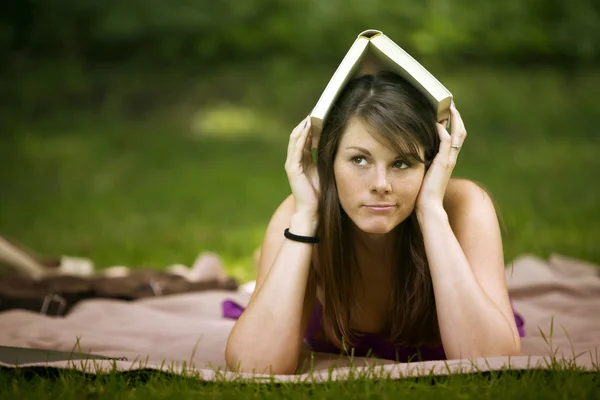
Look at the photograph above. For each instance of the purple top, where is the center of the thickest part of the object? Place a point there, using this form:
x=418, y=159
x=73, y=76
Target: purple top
x=367, y=343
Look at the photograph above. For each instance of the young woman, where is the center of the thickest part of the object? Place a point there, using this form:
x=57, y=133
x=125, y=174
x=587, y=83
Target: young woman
x=377, y=249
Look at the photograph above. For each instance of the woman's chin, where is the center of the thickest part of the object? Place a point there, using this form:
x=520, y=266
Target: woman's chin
x=376, y=229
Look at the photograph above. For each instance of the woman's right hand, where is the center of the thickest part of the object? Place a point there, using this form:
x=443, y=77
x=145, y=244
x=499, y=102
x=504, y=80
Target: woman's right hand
x=301, y=171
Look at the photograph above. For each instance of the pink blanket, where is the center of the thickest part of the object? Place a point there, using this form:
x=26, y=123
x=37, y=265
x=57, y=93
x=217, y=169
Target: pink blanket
x=187, y=334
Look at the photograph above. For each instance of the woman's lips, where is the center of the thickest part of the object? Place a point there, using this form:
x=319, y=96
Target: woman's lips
x=380, y=208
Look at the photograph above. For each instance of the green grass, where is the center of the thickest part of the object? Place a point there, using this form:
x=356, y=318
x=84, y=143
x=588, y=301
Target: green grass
x=207, y=173
x=42, y=383
x=139, y=196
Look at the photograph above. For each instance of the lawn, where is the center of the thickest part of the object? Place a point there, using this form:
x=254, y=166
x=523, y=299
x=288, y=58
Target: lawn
x=206, y=175
x=36, y=384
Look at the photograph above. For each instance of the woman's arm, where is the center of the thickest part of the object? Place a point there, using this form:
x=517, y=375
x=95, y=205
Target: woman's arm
x=268, y=336
x=464, y=250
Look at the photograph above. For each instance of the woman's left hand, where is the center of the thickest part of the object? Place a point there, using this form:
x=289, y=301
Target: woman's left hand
x=437, y=177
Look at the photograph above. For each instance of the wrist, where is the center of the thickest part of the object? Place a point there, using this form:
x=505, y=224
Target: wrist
x=304, y=223
x=431, y=212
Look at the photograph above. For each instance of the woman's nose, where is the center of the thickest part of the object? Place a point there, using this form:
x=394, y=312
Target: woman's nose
x=381, y=182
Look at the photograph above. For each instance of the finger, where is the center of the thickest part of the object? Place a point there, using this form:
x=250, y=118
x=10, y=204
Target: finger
x=456, y=138
x=294, y=137
x=447, y=155
x=311, y=151
x=308, y=141
x=445, y=138
x=457, y=128
x=301, y=144
x=306, y=150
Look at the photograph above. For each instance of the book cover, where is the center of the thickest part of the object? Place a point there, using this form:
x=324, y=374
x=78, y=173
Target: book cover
x=370, y=53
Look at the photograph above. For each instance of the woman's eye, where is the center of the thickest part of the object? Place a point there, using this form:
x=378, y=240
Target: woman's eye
x=358, y=160
x=400, y=165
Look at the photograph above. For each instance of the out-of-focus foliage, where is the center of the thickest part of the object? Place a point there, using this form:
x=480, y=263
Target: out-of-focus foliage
x=227, y=30
x=138, y=55
x=139, y=132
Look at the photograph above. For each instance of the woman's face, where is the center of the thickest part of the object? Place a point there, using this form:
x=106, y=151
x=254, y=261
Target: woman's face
x=376, y=189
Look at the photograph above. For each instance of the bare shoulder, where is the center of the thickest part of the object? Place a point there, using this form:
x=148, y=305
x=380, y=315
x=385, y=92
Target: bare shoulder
x=471, y=213
x=464, y=195
x=287, y=206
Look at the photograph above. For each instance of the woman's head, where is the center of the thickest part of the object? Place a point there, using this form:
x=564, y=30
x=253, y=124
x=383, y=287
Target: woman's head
x=375, y=147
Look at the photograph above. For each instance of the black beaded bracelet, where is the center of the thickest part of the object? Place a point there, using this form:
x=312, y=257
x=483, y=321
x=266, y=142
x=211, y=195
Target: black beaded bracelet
x=303, y=239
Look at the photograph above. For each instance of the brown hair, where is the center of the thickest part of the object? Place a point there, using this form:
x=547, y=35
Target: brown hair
x=402, y=118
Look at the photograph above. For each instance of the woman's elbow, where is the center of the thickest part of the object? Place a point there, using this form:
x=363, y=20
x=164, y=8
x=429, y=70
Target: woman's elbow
x=244, y=366
x=249, y=363
x=514, y=349
x=510, y=349
x=507, y=349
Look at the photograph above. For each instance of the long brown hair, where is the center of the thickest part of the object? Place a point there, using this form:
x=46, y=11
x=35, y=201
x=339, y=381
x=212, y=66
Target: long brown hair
x=402, y=118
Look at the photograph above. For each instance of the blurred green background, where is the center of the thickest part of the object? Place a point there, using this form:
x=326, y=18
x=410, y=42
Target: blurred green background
x=141, y=133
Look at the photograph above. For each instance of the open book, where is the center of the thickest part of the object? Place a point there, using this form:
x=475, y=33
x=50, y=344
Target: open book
x=371, y=52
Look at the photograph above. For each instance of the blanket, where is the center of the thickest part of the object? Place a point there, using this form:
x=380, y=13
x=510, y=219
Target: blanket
x=559, y=299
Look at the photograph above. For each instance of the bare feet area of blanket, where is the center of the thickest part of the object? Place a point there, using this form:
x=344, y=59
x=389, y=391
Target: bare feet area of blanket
x=53, y=285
